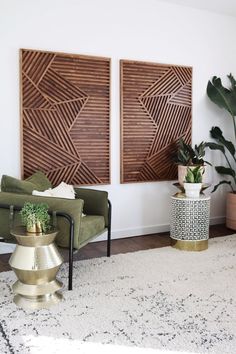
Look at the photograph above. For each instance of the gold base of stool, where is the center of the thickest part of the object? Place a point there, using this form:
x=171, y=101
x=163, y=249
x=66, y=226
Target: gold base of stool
x=36, y=289
x=190, y=245
x=37, y=296
x=37, y=302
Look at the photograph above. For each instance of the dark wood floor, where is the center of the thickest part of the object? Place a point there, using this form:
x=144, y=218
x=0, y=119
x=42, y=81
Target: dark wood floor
x=131, y=244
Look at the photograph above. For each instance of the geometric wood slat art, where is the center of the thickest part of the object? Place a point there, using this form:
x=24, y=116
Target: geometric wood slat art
x=65, y=117
x=156, y=111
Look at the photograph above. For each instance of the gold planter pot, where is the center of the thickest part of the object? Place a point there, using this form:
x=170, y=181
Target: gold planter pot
x=36, y=261
x=35, y=228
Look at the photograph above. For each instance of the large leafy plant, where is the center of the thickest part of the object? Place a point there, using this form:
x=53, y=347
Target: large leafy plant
x=224, y=98
x=188, y=155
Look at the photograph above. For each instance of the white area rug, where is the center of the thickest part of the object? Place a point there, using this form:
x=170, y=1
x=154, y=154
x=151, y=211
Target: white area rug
x=155, y=301
x=7, y=247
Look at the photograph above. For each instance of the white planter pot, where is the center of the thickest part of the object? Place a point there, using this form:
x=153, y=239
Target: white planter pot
x=192, y=190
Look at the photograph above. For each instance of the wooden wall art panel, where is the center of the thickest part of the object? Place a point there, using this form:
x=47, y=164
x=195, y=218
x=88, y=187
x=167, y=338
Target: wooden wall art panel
x=155, y=112
x=65, y=110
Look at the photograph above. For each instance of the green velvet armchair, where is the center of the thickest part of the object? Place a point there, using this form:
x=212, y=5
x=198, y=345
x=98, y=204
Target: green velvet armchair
x=75, y=230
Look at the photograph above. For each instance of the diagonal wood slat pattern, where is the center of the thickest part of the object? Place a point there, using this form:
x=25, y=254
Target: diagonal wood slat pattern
x=45, y=122
x=59, y=89
x=91, y=127
x=167, y=84
x=65, y=174
x=155, y=106
x=182, y=96
x=35, y=64
x=184, y=73
x=85, y=174
x=70, y=110
x=32, y=96
x=156, y=102
x=147, y=173
x=175, y=122
x=65, y=109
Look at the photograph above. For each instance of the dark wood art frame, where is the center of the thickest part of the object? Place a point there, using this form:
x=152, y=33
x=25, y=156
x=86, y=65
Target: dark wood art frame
x=65, y=116
x=156, y=110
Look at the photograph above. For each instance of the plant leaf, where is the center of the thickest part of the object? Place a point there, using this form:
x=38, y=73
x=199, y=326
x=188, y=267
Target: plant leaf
x=221, y=96
x=225, y=171
x=217, y=134
x=221, y=182
x=214, y=146
x=232, y=81
x=229, y=146
x=208, y=163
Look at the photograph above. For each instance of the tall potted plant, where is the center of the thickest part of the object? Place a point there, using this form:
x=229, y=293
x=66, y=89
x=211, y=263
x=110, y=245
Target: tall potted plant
x=189, y=157
x=225, y=98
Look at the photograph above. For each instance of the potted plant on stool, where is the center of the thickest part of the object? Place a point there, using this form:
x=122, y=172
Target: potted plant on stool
x=35, y=217
x=193, y=182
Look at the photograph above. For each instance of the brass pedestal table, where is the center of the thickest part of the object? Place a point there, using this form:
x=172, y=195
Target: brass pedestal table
x=35, y=261
x=189, y=225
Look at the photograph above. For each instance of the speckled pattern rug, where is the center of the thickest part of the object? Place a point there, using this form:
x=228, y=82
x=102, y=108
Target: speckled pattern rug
x=155, y=301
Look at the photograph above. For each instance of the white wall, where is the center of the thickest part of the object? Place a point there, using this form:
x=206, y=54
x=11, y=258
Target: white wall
x=148, y=30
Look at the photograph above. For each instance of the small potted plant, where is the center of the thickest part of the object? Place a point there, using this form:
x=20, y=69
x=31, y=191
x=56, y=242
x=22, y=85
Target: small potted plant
x=35, y=217
x=193, y=182
x=189, y=157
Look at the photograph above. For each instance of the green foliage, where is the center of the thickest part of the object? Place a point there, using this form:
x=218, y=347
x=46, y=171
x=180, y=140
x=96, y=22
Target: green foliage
x=219, y=184
x=194, y=175
x=216, y=133
x=183, y=154
x=32, y=214
x=224, y=98
x=188, y=156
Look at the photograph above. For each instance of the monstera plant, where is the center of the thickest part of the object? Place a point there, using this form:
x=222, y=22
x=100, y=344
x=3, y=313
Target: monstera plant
x=225, y=98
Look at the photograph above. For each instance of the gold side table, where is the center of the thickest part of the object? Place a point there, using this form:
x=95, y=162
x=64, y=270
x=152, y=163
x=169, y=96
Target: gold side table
x=189, y=225
x=35, y=261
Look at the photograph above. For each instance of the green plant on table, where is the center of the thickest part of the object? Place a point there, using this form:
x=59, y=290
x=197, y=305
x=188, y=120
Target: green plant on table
x=194, y=175
x=35, y=216
x=224, y=98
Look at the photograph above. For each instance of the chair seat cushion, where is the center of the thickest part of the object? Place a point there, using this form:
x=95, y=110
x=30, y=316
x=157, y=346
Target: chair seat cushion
x=91, y=225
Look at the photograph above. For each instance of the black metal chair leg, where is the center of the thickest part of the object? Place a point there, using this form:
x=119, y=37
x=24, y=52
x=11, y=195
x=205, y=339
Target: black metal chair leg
x=71, y=255
x=109, y=229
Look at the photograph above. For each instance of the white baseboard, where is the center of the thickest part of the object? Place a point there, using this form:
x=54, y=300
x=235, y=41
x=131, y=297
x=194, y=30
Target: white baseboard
x=148, y=230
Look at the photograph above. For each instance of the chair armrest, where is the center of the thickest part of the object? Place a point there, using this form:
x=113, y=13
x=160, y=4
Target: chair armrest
x=73, y=207
x=95, y=202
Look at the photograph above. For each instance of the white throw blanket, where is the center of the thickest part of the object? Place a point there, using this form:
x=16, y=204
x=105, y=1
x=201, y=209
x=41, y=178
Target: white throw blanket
x=63, y=190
